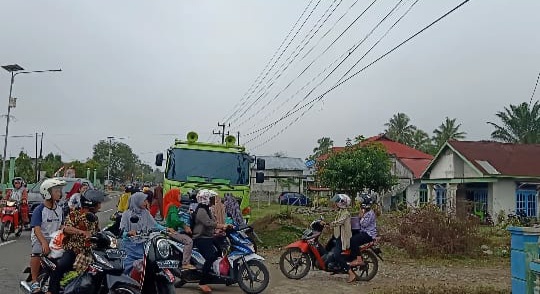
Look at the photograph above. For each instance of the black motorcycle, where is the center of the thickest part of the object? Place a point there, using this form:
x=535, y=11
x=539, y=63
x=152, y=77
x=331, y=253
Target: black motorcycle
x=103, y=275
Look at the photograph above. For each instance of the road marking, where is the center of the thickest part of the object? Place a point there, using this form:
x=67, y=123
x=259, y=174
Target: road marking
x=107, y=210
x=8, y=242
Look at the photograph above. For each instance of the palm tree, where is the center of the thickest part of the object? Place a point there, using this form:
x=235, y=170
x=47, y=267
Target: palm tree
x=399, y=129
x=420, y=140
x=447, y=131
x=520, y=124
x=325, y=144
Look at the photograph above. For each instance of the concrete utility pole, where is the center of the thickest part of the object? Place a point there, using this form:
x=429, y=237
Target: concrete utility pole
x=222, y=132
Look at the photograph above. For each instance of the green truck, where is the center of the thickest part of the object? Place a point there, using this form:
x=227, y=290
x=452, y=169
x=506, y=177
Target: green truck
x=224, y=168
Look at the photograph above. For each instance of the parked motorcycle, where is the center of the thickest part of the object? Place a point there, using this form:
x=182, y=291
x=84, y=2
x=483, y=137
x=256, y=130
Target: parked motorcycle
x=103, y=275
x=244, y=267
x=11, y=223
x=154, y=271
x=300, y=256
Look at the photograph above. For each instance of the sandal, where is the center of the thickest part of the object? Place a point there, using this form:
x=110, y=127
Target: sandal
x=205, y=289
x=351, y=279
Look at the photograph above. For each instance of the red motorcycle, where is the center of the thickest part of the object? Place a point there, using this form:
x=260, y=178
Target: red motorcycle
x=300, y=256
x=9, y=214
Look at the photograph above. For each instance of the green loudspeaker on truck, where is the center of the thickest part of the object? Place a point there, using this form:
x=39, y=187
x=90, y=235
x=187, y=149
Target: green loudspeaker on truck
x=224, y=168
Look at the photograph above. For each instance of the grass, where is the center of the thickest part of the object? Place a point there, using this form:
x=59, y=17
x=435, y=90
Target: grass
x=442, y=289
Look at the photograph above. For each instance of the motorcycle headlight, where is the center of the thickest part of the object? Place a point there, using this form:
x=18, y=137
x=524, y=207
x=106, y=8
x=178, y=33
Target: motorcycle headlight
x=102, y=260
x=114, y=242
x=163, y=248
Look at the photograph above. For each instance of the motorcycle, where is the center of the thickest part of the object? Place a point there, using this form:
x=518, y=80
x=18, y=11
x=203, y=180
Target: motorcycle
x=103, y=275
x=10, y=219
x=244, y=267
x=154, y=271
x=300, y=256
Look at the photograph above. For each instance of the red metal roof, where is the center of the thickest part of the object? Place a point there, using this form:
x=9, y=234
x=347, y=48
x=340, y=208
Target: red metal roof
x=415, y=160
x=506, y=158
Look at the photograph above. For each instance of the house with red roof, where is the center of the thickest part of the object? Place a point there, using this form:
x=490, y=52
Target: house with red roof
x=484, y=177
x=408, y=165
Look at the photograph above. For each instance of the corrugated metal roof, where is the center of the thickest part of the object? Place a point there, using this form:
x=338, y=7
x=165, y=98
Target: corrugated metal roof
x=283, y=163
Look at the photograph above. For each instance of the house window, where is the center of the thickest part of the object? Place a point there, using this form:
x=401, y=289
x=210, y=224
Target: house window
x=423, y=195
x=479, y=197
x=440, y=196
x=526, y=200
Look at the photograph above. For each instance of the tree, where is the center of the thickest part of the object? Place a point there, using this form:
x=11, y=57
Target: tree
x=447, y=131
x=325, y=145
x=519, y=124
x=420, y=140
x=123, y=162
x=51, y=163
x=356, y=168
x=359, y=139
x=399, y=129
x=24, y=167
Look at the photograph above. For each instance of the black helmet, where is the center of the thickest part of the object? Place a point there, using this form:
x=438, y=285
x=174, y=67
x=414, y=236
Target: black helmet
x=367, y=201
x=92, y=198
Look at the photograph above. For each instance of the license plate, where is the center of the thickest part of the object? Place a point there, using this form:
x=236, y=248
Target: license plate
x=168, y=263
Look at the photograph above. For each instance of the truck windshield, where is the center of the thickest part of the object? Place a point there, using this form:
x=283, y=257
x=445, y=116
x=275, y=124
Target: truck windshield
x=210, y=165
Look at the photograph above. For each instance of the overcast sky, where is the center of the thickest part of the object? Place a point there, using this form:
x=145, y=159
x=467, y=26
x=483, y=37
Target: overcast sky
x=150, y=71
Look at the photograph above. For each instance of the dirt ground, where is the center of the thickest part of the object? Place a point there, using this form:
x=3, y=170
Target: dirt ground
x=392, y=274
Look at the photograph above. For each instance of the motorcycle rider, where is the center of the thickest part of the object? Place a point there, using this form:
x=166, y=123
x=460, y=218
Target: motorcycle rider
x=123, y=201
x=368, y=229
x=74, y=196
x=80, y=225
x=204, y=225
x=172, y=200
x=19, y=194
x=46, y=219
x=342, y=232
x=135, y=219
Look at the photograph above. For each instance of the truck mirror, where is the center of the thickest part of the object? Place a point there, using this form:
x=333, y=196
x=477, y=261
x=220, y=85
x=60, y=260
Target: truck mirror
x=261, y=164
x=259, y=177
x=159, y=159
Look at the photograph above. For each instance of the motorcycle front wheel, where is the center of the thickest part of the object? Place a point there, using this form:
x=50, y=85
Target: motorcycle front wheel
x=294, y=263
x=125, y=289
x=5, y=229
x=253, y=276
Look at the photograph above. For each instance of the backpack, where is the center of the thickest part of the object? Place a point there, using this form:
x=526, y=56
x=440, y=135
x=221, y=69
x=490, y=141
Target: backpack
x=194, y=215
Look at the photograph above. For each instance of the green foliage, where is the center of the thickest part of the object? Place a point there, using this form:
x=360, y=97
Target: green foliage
x=51, y=163
x=356, y=168
x=430, y=232
x=448, y=130
x=519, y=124
x=399, y=129
x=124, y=164
x=325, y=145
x=24, y=167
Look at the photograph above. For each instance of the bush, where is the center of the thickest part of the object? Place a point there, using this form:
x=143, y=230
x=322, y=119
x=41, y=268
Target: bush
x=428, y=231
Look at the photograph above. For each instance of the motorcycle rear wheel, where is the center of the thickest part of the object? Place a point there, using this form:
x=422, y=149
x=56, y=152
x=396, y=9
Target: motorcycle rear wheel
x=125, y=289
x=244, y=281
x=5, y=230
x=369, y=270
x=287, y=260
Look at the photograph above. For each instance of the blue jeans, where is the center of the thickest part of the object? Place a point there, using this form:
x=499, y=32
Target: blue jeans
x=134, y=251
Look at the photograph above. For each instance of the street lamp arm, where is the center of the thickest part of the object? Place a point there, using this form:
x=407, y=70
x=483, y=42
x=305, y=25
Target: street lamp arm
x=36, y=71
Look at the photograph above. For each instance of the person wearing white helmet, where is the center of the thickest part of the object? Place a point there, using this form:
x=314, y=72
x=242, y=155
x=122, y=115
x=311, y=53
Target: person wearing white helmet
x=46, y=219
x=204, y=225
x=342, y=233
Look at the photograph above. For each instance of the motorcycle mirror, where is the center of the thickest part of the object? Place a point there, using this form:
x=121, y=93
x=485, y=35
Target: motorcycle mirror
x=91, y=217
x=134, y=219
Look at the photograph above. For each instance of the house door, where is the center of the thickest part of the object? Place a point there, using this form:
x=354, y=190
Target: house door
x=526, y=200
x=479, y=199
x=440, y=196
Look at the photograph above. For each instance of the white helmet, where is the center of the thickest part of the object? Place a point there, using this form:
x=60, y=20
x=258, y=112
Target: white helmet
x=342, y=200
x=204, y=196
x=45, y=188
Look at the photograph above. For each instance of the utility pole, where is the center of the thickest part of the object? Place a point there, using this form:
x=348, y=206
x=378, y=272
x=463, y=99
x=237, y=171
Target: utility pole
x=36, y=160
x=238, y=138
x=40, y=156
x=222, y=132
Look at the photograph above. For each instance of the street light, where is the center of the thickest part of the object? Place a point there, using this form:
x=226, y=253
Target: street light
x=14, y=69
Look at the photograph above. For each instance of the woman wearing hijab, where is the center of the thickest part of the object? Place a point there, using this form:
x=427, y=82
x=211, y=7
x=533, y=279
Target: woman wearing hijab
x=203, y=235
x=173, y=221
x=135, y=219
x=74, y=195
x=232, y=208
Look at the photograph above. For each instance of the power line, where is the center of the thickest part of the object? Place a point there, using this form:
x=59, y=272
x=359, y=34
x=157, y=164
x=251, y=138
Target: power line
x=283, y=68
x=310, y=64
x=534, y=91
x=269, y=61
x=346, y=55
x=278, y=58
x=320, y=97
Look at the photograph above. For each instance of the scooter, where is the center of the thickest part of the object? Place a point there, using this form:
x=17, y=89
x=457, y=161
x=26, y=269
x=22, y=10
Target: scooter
x=300, y=256
x=103, y=275
x=10, y=219
x=154, y=271
x=243, y=266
